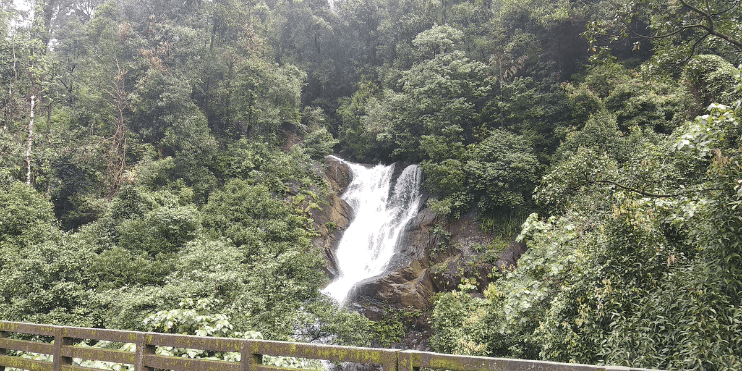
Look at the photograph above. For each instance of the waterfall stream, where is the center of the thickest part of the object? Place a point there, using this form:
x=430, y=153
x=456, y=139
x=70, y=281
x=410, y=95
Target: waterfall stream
x=380, y=215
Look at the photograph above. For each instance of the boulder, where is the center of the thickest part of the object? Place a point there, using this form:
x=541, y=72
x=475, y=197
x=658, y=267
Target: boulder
x=338, y=174
x=409, y=287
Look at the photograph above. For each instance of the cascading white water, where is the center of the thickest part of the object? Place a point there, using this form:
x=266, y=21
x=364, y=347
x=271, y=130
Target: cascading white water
x=369, y=242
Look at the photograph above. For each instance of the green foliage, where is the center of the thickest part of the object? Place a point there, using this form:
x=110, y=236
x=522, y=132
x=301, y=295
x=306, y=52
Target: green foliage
x=433, y=110
x=502, y=170
x=191, y=318
x=393, y=327
x=711, y=79
x=600, y=133
x=442, y=236
x=437, y=40
x=250, y=216
x=633, y=269
x=457, y=324
x=388, y=331
x=318, y=143
x=45, y=283
x=26, y=217
x=356, y=139
x=634, y=98
x=261, y=162
x=323, y=320
x=119, y=267
x=497, y=173
x=162, y=230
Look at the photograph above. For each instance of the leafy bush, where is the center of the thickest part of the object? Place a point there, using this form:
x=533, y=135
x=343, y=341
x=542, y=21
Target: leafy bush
x=25, y=216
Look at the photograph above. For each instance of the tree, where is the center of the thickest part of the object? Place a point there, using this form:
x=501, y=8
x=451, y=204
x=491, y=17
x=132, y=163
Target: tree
x=502, y=171
x=680, y=29
x=440, y=99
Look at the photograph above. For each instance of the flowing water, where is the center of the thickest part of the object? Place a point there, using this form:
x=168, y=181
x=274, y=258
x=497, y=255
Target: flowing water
x=382, y=207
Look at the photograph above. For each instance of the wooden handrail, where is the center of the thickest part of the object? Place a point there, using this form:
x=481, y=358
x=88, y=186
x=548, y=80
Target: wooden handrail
x=144, y=358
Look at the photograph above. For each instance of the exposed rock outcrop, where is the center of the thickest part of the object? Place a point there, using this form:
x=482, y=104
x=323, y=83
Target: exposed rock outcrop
x=435, y=254
x=333, y=216
x=409, y=287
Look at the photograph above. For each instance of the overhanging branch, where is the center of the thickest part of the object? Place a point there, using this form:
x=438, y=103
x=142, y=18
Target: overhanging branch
x=710, y=26
x=707, y=26
x=653, y=195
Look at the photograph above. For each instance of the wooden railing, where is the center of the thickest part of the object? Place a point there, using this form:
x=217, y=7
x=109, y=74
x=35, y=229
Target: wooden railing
x=62, y=351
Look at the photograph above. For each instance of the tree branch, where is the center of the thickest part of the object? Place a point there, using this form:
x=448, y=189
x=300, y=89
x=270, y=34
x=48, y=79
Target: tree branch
x=654, y=195
x=693, y=47
x=710, y=28
x=736, y=3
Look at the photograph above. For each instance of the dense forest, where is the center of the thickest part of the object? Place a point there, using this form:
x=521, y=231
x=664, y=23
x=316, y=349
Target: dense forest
x=147, y=183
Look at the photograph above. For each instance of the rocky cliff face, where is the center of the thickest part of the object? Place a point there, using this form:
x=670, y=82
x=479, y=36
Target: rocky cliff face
x=435, y=255
x=334, y=216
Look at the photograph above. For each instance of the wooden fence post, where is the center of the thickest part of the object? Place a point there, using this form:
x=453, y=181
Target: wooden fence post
x=3, y=335
x=390, y=361
x=59, y=341
x=142, y=349
x=249, y=361
x=406, y=361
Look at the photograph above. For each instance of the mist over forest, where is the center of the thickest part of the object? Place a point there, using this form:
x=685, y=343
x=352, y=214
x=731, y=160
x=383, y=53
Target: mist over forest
x=163, y=168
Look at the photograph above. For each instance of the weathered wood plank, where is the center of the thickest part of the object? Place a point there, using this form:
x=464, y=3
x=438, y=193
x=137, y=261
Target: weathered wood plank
x=25, y=364
x=78, y=368
x=188, y=364
x=59, y=342
x=25, y=346
x=27, y=328
x=194, y=342
x=97, y=354
x=3, y=335
x=325, y=352
x=142, y=350
x=414, y=360
x=274, y=368
x=101, y=334
x=249, y=361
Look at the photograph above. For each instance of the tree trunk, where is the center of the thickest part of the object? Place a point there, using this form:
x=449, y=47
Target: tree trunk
x=29, y=142
x=11, y=91
x=117, y=161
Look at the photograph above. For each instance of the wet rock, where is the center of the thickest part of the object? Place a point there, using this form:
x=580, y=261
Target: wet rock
x=509, y=256
x=416, y=241
x=466, y=235
x=332, y=217
x=431, y=259
x=338, y=174
x=409, y=287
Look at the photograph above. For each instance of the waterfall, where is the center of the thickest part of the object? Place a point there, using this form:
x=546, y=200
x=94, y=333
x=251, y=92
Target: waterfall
x=380, y=215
